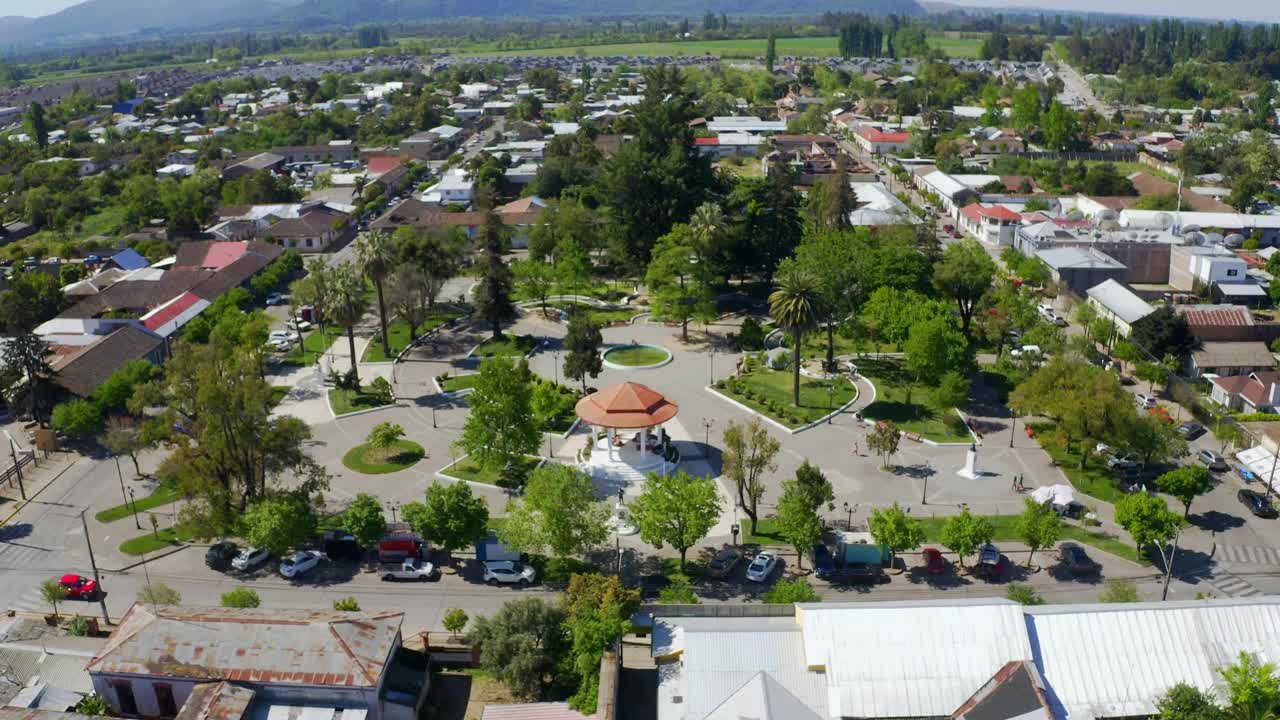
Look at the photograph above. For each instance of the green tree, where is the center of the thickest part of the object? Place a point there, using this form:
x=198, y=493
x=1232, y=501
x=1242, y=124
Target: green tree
x=894, y=529
x=935, y=347
x=1119, y=591
x=385, y=435
x=749, y=452
x=92, y=705
x=241, y=597
x=599, y=611
x=1188, y=702
x=493, y=292
x=502, y=426
x=678, y=593
x=953, y=390
x=582, y=344
x=1060, y=127
x=279, y=523
x=25, y=356
x=124, y=438
x=455, y=619
x=159, y=594
x=786, y=592
x=1186, y=484
x=676, y=509
x=1147, y=519
x=365, y=521
x=1252, y=692
x=1039, y=526
x=1155, y=440
x=346, y=604
x=452, y=517
x=963, y=534
x=797, y=519
x=1023, y=594
x=677, y=279
x=376, y=256
x=346, y=306
x=1164, y=332
x=770, y=52
x=116, y=391
x=77, y=418
x=884, y=439
x=558, y=513
x=795, y=306
x=521, y=645
x=1025, y=108
x=30, y=299
x=965, y=274
x=53, y=592
x=536, y=279
x=37, y=125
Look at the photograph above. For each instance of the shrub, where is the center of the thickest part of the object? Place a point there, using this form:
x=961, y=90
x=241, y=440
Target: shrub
x=455, y=619
x=561, y=569
x=954, y=423
x=780, y=360
x=786, y=592
x=241, y=598
x=380, y=388
x=79, y=626
x=1024, y=594
x=751, y=336
x=677, y=593
x=346, y=604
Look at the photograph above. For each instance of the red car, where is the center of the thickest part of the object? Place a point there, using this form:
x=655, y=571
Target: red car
x=79, y=587
x=933, y=561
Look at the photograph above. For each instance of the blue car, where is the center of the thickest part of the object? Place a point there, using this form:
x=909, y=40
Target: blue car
x=1246, y=474
x=823, y=565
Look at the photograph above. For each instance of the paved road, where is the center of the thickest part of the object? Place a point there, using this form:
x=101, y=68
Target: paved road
x=1076, y=90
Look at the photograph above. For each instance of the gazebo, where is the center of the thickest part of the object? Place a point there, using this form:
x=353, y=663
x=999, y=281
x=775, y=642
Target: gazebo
x=628, y=406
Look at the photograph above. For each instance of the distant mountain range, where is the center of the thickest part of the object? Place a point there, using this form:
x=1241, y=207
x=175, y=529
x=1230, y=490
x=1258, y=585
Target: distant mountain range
x=104, y=19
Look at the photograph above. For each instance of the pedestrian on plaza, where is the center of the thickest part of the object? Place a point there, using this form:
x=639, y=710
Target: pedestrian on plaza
x=855, y=449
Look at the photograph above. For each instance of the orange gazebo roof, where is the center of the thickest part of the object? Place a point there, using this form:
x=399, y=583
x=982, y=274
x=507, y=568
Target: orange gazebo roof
x=629, y=405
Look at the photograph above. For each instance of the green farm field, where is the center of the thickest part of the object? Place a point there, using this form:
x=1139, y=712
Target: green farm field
x=967, y=47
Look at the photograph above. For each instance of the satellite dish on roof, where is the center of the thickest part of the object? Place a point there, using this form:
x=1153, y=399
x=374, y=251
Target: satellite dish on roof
x=1132, y=234
x=1193, y=238
x=1108, y=214
x=1234, y=240
x=1190, y=227
x=1075, y=215
x=1213, y=238
x=1109, y=225
x=1164, y=220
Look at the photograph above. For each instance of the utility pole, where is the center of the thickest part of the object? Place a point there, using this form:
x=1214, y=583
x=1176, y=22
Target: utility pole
x=17, y=467
x=102, y=595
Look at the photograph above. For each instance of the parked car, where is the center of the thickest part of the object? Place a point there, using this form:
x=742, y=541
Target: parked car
x=948, y=229
x=408, y=569
x=79, y=587
x=724, y=562
x=1059, y=320
x=275, y=298
x=1145, y=401
x=508, y=573
x=762, y=566
x=824, y=565
x=1025, y=350
x=1257, y=503
x=1190, y=429
x=1213, y=460
x=1122, y=461
x=287, y=336
x=1246, y=474
x=219, y=555
x=250, y=558
x=341, y=545
x=1076, y=560
x=933, y=561
x=861, y=573
x=299, y=325
x=299, y=563
x=651, y=586
x=991, y=564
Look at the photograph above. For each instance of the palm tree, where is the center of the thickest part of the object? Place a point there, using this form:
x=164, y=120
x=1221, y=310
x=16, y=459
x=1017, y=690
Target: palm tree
x=795, y=307
x=360, y=181
x=346, y=307
x=377, y=257
x=707, y=222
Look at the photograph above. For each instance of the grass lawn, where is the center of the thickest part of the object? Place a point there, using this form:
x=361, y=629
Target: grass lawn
x=151, y=542
x=693, y=570
x=468, y=469
x=769, y=392
x=163, y=495
x=965, y=45
x=767, y=532
x=636, y=355
x=365, y=458
x=399, y=337
x=919, y=416
x=608, y=291
x=1006, y=530
x=1093, y=481
x=454, y=383
x=814, y=344
x=347, y=401
x=314, y=345
x=600, y=316
x=508, y=346
x=277, y=394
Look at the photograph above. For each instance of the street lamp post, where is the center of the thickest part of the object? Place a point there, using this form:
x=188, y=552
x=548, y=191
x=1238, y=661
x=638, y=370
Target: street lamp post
x=706, y=427
x=17, y=468
x=102, y=595
x=548, y=444
x=848, y=521
x=734, y=529
x=711, y=372
x=928, y=469
x=120, y=475
x=555, y=362
x=134, y=503
x=831, y=408
x=433, y=415
x=393, y=506
x=1013, y=424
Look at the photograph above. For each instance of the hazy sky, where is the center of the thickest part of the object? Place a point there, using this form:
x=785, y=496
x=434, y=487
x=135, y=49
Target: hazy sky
x=1263, y=10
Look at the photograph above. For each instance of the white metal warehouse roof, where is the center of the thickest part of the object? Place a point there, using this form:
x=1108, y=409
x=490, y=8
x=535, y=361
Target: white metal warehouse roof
x=1115, y=660
x=910, y=659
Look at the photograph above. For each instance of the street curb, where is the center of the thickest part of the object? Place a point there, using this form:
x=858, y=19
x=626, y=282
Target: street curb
x=36, y=494
x=148, y=559
x=361, y=412
x=791, y=431
x=446, y=476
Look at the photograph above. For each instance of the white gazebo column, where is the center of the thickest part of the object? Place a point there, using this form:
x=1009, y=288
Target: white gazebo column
x=644, y=444
x=610, y=437
x=595, y=436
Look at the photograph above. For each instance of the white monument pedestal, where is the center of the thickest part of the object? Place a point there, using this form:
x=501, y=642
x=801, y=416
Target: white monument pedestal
x=970, y=469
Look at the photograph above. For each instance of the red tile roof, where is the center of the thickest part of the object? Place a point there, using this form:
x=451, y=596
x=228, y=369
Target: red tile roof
x=706, y=141
x=222, y=254
x=1000, y=212
x=171, y=311
x=381, y=164
x=1217, y=317
x=878, y=135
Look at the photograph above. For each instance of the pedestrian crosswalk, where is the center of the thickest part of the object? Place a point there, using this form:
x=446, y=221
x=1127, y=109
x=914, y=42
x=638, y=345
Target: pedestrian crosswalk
x=1230, y=585
x=1249, y=554
x=18, y=556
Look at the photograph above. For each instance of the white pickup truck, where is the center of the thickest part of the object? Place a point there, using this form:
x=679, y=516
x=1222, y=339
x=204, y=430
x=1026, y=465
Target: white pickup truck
x=408, y=569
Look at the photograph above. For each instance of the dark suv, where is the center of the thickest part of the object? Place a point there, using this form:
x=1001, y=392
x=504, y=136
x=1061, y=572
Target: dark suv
x=219, y=556
x=823, y=565
x=1257, y=503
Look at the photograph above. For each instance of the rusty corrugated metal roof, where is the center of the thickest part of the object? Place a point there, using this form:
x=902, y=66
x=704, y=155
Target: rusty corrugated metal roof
x=260, y=646
x=216, y=701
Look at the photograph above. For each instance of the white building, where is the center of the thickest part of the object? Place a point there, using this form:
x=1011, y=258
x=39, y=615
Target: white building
x=1119, y=304
x=454, y=187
